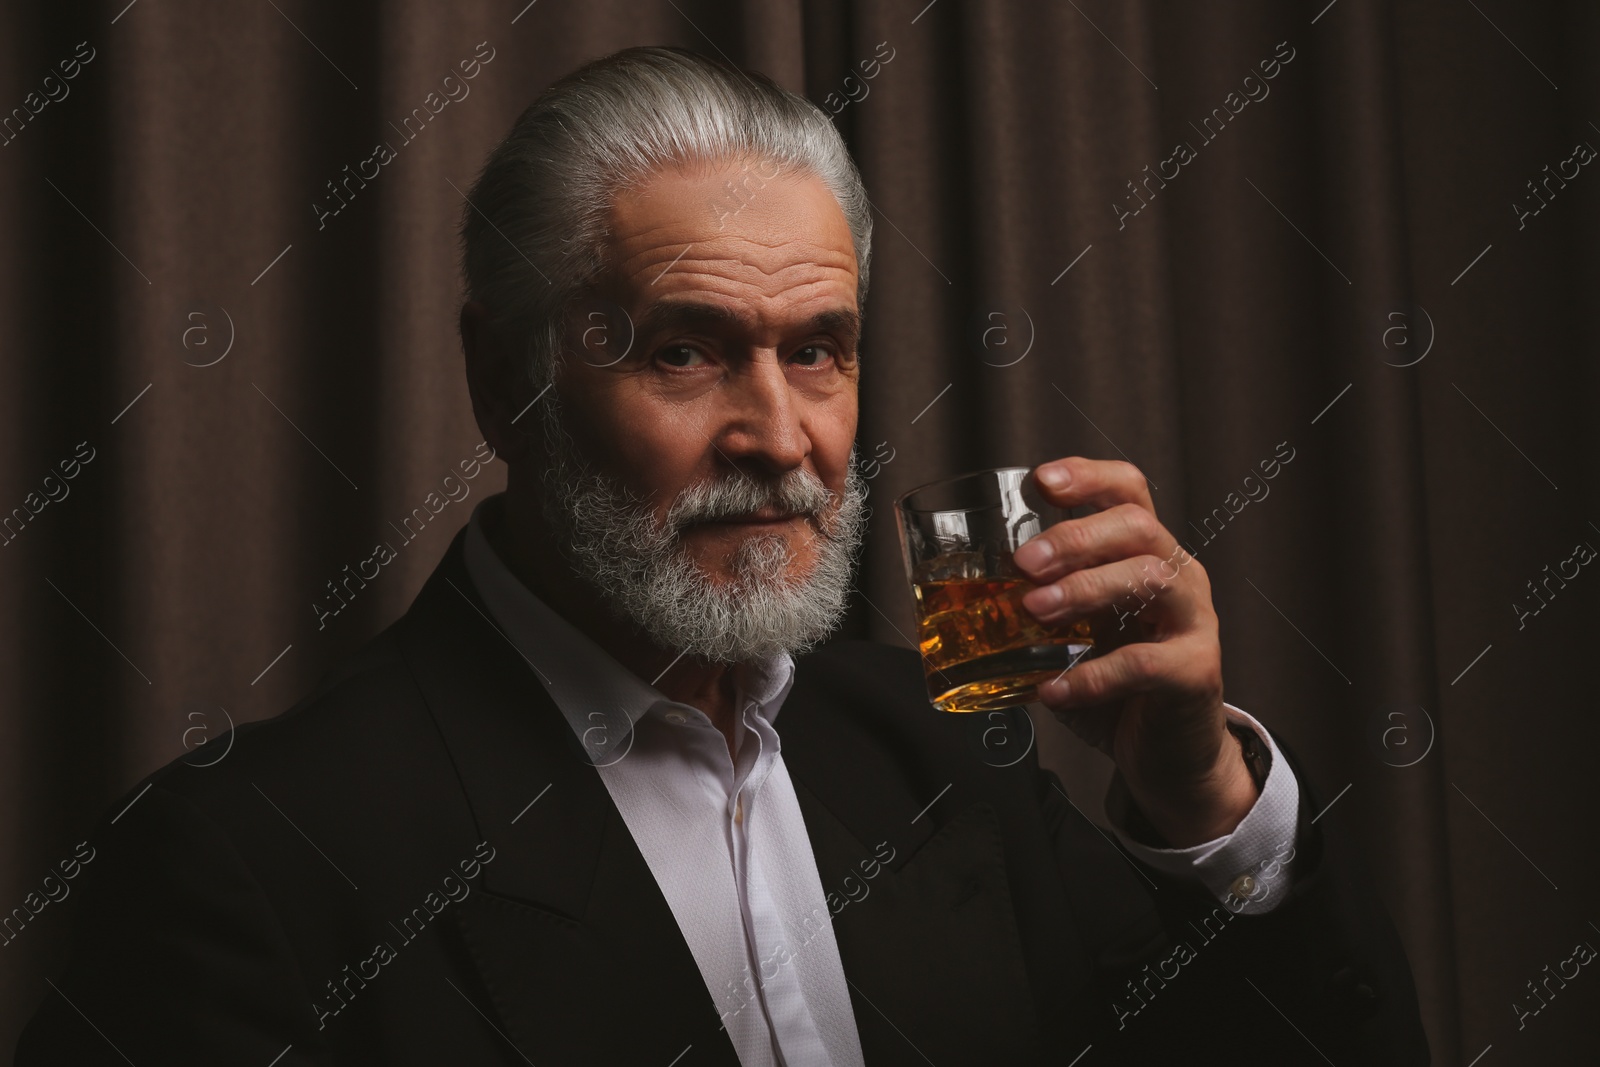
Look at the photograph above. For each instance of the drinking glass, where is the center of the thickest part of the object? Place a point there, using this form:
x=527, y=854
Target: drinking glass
x=981, y=649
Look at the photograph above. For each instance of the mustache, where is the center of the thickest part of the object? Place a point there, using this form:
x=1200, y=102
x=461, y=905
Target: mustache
x=731, y=496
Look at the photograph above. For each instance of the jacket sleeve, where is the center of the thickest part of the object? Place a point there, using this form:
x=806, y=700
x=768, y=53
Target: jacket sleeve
x=1322, y=977
x=177, y=956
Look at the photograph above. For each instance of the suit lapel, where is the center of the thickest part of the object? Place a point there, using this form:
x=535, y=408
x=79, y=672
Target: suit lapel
x=579, y=955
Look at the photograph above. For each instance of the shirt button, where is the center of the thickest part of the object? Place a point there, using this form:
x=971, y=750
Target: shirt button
x=738, y=810
x=1243, y=886
x=677, y=718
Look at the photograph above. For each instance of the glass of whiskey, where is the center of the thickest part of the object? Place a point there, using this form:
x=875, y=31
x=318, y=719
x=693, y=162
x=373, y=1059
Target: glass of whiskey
x=981, y=649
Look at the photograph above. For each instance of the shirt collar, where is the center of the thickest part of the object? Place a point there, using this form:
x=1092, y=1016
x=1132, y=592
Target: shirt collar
x=599, y=697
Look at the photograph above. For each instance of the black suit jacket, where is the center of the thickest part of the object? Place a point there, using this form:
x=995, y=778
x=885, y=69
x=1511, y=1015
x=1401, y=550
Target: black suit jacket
x=324, y=864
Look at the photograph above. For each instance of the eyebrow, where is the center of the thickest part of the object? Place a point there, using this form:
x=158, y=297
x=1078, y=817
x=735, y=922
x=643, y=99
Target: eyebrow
x=664, y=316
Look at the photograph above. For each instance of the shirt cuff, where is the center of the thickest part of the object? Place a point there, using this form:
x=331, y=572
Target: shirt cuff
x=1248, y=870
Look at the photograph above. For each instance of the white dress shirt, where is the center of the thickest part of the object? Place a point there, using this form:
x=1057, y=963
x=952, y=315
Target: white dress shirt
x=725, y=840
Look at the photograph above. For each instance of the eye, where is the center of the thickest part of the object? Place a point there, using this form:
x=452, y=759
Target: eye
x=680, y=355
x=806, y=354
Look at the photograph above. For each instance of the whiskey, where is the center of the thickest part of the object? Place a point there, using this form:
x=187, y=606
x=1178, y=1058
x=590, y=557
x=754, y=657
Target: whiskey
x=982, y=650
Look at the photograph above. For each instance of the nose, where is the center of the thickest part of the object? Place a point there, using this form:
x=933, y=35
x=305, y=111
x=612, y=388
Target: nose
x=762, y=424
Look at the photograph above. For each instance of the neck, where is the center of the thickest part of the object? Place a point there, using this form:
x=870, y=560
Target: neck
x=519, y=536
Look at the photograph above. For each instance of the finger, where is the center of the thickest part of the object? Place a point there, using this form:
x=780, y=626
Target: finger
x=1126, y=588
x=1125, y=672
x=1117, y=533
x=1103, y=483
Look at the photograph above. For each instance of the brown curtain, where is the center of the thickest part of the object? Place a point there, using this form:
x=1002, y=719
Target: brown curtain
x=1349, y=243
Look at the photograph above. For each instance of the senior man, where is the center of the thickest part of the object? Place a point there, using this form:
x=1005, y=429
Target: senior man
x=599, y=798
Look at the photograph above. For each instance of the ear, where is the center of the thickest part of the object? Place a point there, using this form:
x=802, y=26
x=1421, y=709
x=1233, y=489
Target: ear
x=494, y=381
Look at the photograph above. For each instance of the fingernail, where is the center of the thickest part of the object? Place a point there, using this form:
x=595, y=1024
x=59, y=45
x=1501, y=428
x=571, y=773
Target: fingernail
x=1054, y=477
x=1043, y=599
x=1035, y=554
x=1053, y=692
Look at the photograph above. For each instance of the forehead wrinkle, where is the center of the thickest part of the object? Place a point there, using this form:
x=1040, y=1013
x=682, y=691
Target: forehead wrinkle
x=779, y=244
x=750, y=315
x=812, y=255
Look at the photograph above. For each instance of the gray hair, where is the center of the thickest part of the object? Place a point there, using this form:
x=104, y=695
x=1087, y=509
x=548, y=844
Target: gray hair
x=533, y=228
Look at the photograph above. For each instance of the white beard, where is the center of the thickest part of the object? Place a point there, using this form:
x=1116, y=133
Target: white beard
x=643, y=573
